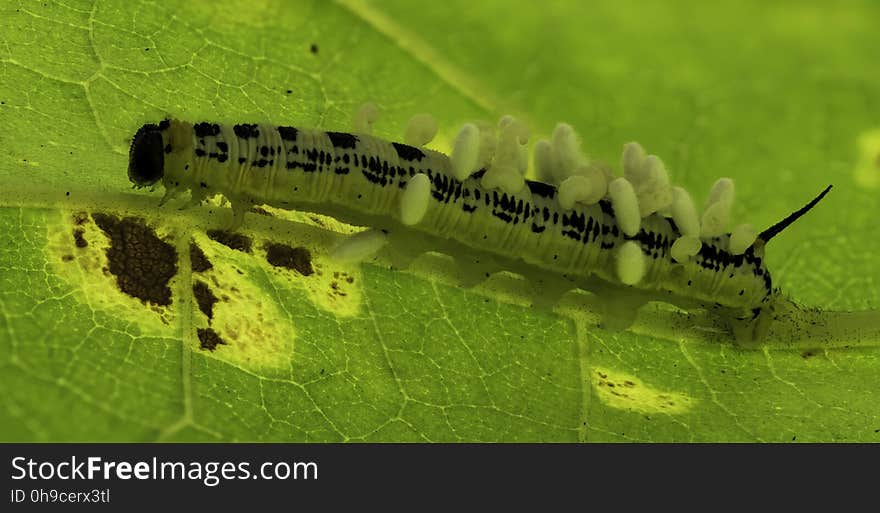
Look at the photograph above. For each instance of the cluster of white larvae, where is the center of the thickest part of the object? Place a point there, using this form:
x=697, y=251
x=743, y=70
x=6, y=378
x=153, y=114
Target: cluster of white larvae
x=644, y=188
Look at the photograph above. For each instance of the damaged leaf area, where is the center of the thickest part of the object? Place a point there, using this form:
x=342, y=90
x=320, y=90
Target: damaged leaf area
x=116, y=263
x=298, y=259
x=627, y=392
x=142, y=263
x=121, y=320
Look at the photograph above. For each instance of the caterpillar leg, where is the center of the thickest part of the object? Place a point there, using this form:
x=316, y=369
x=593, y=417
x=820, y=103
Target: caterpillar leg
x=472, y=275
x=751, y=328
x=403, y=248
x=170, y=194
x=620, y=309
x=239, y=208
x=547, y=295
x=196, y=198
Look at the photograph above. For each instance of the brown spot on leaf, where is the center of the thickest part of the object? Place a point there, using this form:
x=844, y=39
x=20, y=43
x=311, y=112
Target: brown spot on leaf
x=80, y=218
x=197, y=259
x=78, y=238
x=806, y=355
x=209, y=339
x=336, y=290
x=142, y=262
x=261, y=211
x=67, y=258
x=231, y=240
x=205, y=298
x=298, y=259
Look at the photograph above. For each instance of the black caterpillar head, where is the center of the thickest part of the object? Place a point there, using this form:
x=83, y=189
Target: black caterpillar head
x=146, y=158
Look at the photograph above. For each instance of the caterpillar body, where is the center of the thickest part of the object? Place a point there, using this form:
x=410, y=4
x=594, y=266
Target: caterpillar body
x=634, y=232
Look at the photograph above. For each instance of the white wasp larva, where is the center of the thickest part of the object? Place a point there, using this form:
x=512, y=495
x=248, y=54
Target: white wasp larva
x=717, y=214
x=545, y=164
x=626, y=205
x=630, y=263
x=741, y=238
x=654, y=192
x=631, y=162
x=567, y=150
x=685, y=247
x=360, y=246
x=415, y=200
x=420, y=130
x=465, y=152
x=684, y=213
x=366, y=115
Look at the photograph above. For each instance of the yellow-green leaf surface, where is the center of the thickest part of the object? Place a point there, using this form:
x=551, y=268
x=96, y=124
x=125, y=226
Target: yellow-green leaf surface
x=784, y=98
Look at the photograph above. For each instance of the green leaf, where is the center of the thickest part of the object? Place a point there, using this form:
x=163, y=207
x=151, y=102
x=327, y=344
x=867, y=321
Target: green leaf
x=783, y=98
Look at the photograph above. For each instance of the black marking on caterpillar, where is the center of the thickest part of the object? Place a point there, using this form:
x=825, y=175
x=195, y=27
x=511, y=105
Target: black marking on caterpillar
x=206, y=129
x=287, y=133
x=342, y=140
x=310, y=170
x=545, y=190
x=246, y=131
x=408, y=153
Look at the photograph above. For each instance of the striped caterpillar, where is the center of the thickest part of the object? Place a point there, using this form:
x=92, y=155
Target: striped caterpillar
x=634, y=234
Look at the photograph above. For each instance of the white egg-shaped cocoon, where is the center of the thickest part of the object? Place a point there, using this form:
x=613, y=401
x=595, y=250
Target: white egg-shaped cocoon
x=415, y=199
x=631, y=263
x=625, y=205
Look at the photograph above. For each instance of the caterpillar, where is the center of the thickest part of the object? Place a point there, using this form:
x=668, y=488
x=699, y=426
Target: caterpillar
x=634, y=234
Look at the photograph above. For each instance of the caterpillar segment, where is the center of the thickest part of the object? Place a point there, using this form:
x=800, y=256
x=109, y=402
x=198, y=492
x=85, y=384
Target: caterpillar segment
x=635, y=236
